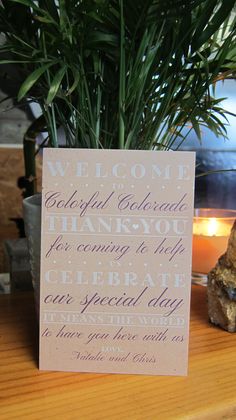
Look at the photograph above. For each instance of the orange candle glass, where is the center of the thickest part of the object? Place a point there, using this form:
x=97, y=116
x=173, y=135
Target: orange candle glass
x=211, y=230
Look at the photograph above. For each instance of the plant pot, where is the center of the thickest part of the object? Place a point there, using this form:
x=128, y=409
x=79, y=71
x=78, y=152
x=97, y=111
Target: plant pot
x=32, y=219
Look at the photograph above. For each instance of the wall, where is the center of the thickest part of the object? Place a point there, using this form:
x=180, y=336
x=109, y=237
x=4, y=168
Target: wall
x=217, y=190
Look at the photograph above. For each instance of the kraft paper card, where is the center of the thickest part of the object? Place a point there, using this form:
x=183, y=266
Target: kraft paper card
x=116, y=261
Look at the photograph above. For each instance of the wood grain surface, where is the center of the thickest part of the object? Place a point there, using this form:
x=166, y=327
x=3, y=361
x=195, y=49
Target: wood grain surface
x=208, y=392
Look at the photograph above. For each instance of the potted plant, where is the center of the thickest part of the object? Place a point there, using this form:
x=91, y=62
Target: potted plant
x=119, y=74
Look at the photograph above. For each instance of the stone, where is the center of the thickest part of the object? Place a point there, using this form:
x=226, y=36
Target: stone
x=221, y=288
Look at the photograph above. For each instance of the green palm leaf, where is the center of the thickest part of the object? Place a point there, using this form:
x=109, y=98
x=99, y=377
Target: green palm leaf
x=31, y=80
x=55, y=84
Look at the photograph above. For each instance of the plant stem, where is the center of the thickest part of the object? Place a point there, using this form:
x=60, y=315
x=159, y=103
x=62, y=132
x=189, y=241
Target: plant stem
x=52, y=121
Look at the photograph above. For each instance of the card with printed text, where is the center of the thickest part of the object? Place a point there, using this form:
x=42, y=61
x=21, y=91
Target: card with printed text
x=116, y=261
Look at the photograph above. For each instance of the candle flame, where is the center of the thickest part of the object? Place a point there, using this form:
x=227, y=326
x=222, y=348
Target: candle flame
x=212, y=227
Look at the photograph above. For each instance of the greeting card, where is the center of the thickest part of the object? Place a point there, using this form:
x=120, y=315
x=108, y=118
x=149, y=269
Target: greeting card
x=116, y=261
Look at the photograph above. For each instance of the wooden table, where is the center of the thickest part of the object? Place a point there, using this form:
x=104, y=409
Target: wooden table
x=209, y=392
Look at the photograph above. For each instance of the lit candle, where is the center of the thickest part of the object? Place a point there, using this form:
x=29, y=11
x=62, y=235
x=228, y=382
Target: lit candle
x=211, y=230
